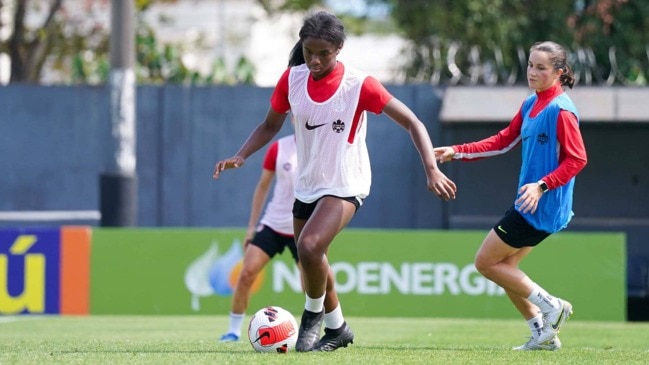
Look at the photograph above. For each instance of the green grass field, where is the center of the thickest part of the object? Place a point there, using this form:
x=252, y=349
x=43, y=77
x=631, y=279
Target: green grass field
x=193, y=340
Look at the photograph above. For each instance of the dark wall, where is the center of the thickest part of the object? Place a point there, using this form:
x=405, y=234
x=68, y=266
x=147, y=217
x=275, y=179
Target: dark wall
x=53, y=150
x=50, y=147
x=611, y=193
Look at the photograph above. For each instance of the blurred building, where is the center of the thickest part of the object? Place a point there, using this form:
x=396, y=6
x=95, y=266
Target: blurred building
x=207, y=30
x=232, y=29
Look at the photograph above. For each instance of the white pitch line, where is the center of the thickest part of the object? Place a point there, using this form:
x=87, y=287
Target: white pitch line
x=7, y=319
x=12, y=318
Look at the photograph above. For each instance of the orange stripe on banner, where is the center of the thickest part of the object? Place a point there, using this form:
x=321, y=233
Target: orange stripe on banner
x=75, y=270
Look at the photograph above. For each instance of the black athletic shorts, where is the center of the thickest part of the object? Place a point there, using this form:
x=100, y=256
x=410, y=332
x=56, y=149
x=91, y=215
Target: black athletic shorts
x=303, y=210
x=273, y=243
x=516, y=232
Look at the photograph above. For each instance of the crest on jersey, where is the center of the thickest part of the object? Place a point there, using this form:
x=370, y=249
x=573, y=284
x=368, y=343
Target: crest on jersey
x=338, y=126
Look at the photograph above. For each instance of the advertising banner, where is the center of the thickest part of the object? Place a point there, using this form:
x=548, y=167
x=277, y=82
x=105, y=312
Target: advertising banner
x=404, y=273
x=44, y=270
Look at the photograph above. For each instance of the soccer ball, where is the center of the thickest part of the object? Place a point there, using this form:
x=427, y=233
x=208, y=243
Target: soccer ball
x=273, y=329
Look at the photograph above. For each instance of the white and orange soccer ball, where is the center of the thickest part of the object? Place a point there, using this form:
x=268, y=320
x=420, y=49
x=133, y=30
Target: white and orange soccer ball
x=273, y=329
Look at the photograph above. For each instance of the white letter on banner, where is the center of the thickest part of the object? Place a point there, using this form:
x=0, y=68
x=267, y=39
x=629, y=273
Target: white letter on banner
x=368, y=277
x=349, y=270
x=400, y=280
x=282, y=274
x=421, y=275
x=471, y=281
x=446, y=274
x=493, y=288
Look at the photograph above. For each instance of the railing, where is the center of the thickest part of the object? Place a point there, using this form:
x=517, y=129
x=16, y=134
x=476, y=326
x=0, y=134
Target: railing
x=457, y=64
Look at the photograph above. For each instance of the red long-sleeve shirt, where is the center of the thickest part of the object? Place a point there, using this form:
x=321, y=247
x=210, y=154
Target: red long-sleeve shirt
x=572, y=153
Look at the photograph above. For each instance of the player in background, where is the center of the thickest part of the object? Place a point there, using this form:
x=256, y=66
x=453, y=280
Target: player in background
x=553, y=153
x=271, y=234
x=329, y=101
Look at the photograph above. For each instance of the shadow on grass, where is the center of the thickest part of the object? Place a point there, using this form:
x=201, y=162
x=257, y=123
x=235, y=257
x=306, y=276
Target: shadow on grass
x=246, y=350
x=435, y=348
x=149, y=351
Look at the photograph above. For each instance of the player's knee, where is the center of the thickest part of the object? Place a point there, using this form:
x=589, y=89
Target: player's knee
x=309, y=252
x=247, y=277
x=483, y=267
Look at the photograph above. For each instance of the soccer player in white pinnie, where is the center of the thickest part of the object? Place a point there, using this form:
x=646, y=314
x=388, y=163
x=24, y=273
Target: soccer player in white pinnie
x=269, y=235
x=330, y=101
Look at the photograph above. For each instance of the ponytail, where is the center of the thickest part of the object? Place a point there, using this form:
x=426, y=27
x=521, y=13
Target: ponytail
x=567, y=78
x=296, y=56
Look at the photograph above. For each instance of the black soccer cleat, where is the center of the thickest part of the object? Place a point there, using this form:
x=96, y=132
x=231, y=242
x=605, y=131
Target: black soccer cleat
x=309, y=333
x=334, y=339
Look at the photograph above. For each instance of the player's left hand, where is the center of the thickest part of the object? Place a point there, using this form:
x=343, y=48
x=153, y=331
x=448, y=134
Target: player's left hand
x=250, y=233
x=528, y=198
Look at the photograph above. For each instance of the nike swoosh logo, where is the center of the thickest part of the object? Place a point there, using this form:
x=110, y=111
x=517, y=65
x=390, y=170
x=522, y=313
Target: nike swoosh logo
x=312, y=127
x=500, y=228
x=264, y=334
x=555, y=325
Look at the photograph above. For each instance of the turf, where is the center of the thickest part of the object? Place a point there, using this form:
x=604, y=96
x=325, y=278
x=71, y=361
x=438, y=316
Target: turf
x=395, y=341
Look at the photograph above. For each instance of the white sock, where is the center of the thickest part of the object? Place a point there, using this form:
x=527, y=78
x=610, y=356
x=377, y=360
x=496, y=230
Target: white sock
x=543, y=300
x=334, y=319
x=536, y=325
x=235, y=323
x=314, y=305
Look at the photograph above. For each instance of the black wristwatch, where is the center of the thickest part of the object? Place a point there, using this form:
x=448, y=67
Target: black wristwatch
x=543, y=186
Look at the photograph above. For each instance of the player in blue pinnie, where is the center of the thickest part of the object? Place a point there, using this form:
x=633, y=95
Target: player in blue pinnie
x=547, y=126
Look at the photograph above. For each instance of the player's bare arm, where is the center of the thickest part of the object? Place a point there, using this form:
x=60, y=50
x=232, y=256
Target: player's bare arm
x=263, y=134
x=437, y=182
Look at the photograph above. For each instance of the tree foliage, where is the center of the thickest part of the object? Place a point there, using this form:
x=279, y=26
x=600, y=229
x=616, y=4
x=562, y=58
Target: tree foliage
x=76, y=44
x=28, y=49
x=449, y=41
x=616, y=31
x=486, y=41
x=607, y=37
x=277, y=6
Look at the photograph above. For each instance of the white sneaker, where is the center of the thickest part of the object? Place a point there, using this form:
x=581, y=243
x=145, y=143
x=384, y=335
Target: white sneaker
x=552, y=321
x=532, y=345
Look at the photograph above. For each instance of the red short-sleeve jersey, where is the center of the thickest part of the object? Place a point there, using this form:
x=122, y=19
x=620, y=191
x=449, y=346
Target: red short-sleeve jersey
x=373, y=97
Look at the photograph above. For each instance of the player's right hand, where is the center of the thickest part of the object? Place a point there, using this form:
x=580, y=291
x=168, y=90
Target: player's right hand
x=230, y=163
x=444, y=154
